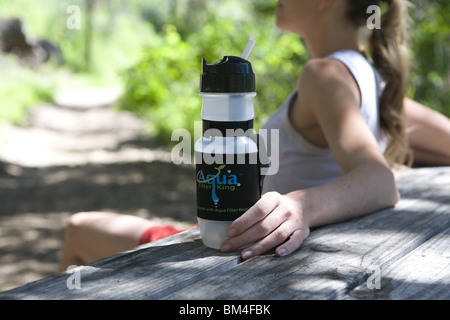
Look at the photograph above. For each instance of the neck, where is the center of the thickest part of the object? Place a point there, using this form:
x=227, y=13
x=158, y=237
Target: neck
x=331, y=38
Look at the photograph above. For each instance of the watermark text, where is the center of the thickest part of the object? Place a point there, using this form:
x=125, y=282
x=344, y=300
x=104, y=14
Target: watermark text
x=374, y=21
x=221, y=153
x=74, y=20
x=74, y=281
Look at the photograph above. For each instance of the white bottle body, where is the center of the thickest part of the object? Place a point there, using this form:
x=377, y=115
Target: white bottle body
x=228, y=107
x=227, y=167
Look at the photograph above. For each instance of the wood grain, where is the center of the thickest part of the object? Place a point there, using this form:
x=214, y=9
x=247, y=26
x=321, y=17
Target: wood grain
x=407, y=245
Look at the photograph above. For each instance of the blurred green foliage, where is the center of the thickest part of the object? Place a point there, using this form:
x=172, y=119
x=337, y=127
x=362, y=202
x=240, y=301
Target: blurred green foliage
x=20, y=89
x=430, y=53
x=154, y=49
x=117, y=36
x=163, y=86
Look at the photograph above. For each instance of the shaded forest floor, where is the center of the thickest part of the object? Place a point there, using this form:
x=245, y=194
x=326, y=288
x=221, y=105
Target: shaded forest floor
x=79, y=155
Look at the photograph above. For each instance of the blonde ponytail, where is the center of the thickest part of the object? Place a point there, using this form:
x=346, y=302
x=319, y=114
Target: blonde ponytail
x=387, y=49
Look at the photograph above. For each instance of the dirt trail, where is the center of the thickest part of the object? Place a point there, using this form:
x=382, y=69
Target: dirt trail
x=78, y=155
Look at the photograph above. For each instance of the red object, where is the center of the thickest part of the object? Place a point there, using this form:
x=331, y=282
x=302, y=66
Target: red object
x=159, y=232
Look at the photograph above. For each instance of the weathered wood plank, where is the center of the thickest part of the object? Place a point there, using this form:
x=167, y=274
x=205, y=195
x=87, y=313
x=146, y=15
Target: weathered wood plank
x=149, y=272
x=333, y=263
x=423, y=274
x=327, y=267
x=416, y=183
x=335, y=259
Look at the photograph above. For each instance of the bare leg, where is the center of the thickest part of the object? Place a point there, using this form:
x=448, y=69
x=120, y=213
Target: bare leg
x=91, y=236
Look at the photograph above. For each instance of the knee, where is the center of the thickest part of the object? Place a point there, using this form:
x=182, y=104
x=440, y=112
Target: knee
x=75, y=230
x=79, y=220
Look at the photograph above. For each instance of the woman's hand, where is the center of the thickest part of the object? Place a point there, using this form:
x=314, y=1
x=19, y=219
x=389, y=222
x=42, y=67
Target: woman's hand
x=269, y=223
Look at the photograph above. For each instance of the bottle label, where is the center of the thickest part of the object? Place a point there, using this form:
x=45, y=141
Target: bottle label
x=226, y=191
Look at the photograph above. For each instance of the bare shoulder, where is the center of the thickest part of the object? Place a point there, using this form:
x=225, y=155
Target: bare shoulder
x=326, y=89
x=326, y=74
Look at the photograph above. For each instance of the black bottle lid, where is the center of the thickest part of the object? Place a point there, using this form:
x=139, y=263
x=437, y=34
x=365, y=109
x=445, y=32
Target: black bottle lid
x=231, y=74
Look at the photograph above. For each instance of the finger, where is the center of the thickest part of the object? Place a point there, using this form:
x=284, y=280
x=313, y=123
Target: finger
x=255, y=232
x=257, y=212
x=294, y=242
x=277, y=237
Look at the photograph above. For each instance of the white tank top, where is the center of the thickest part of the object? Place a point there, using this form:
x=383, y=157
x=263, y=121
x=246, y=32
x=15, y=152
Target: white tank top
x=302, y=164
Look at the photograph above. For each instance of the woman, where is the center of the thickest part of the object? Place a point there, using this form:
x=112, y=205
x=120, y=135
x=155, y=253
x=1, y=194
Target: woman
x=340, y=131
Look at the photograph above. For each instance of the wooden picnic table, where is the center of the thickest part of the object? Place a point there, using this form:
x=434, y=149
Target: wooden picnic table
x=397, y=253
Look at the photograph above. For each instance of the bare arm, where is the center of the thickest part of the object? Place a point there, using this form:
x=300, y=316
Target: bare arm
x=368, y=183
x=428, y=134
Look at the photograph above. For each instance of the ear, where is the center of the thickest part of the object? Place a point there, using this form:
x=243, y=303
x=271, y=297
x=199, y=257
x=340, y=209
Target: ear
x=325, y=4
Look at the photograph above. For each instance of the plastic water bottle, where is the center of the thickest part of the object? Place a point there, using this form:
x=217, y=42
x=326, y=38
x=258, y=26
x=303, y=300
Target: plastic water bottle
x=227, y=163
